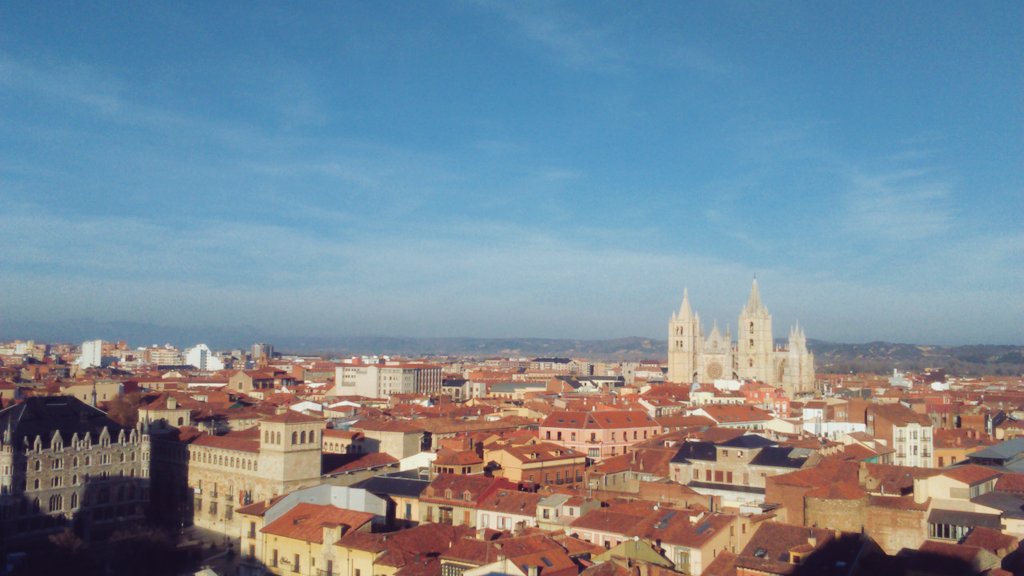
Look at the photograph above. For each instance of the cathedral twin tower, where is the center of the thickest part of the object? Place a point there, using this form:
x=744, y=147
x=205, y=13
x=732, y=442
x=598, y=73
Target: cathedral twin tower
x=754, y=356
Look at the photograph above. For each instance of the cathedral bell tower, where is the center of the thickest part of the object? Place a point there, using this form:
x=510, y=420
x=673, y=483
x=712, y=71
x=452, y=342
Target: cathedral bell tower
x=684, y=343
x=754, y=340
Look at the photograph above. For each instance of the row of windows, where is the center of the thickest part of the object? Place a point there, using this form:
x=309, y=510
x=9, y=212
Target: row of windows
x=85, y=443
x=204, y=457
x=298, y=437
x=593, y=436
x=76, y=480
x=58, y=463
x=56, y=502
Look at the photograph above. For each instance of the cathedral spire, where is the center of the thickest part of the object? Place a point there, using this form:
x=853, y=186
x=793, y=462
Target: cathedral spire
x=754, y=303
x=684, y=308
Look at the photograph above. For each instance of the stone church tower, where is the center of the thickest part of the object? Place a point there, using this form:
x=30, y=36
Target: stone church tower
x=684, y=343
x=754, y=356
x=755, y=344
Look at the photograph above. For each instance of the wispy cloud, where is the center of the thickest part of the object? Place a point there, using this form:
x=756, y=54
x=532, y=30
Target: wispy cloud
x=898, y=206
x=75, y=82
x=567, y=38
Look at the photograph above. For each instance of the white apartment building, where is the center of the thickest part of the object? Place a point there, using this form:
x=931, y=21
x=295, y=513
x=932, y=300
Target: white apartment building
x=202, y=358
x=383, y=380
x=906, y=431
x=92, y=354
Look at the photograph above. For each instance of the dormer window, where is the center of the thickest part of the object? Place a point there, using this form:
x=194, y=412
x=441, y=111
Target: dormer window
x=448, y=493
x=467, y=496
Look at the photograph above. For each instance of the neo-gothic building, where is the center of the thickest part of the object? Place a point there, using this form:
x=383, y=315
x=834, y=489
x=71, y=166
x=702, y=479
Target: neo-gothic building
x=65, y=464
x=694, y=357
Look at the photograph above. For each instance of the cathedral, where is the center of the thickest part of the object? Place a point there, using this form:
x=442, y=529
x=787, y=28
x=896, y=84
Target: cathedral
x=692, y=357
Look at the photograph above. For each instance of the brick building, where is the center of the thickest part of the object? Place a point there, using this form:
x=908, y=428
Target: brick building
x=600, y=434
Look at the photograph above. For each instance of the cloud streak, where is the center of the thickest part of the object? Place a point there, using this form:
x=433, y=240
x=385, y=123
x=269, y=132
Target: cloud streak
x=900, y=206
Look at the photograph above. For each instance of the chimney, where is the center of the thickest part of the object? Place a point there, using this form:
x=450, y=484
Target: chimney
x=481, y=533
x=811, y=538
x=532, y=571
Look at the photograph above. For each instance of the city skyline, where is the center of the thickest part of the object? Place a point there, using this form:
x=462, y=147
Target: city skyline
x=477, y=169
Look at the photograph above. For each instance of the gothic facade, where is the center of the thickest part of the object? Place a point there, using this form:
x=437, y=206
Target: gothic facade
x=694, y=357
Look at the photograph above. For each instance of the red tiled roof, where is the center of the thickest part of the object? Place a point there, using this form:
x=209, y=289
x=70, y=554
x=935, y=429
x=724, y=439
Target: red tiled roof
x=838, y=491
x=604, y=419
x=477, y=486
x=971, y=474
x=732, y=413
x=511, y=502
x=387, y=426
x=291, y=417
x=365, y=462
x=244, y=441
x=306, y=521
x=448, y=457
x=1010, y=482
x=898, y=414
x=950, y=550
x=992, y=540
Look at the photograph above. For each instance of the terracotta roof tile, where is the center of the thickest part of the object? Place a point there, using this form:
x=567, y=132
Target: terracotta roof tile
x=971, y=474
x=361, y=462
x=291, y=417
x=306, y=521
x=244, y=441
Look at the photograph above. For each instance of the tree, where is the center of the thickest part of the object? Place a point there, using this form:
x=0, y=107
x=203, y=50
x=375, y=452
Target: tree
x=125, y=409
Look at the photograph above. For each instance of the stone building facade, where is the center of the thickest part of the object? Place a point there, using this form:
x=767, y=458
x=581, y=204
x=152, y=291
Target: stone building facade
x=65, y=464
x=226, y=472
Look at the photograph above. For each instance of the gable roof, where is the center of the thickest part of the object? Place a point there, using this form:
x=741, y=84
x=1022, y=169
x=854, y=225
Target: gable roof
x=601, y=419
x=734, y=413
x=292, y=417
x=971, y=474
x=43, y=415
x=477, y=486
x=306, y=521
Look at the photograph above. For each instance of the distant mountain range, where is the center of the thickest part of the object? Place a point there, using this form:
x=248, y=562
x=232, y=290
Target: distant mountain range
x=882, y=357
x=877, y=357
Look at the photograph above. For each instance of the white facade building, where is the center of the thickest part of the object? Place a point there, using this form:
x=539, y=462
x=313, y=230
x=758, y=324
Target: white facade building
x=92, y=354
x=383, y=380
x=202, y=358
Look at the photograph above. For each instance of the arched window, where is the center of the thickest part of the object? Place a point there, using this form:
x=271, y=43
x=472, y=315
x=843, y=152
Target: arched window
x=36, y=484
x=181, y=421
x=295, y=437
x=302, y=437
x=74, y=500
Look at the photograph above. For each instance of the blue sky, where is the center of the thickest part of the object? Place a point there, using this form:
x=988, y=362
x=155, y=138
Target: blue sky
x=514, y=169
